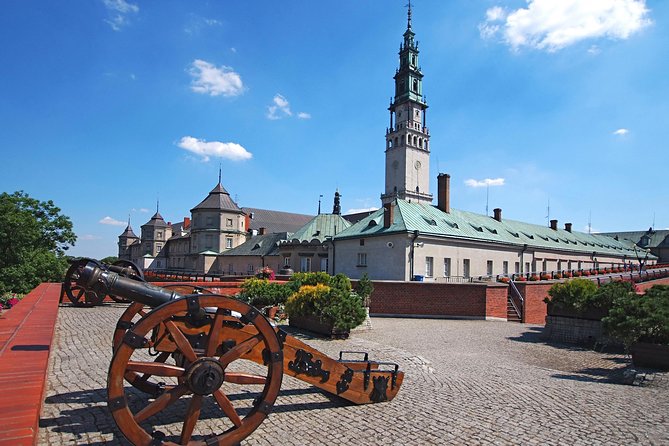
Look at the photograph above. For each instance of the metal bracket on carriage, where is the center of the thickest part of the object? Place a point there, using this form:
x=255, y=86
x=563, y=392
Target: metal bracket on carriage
x=303, y=364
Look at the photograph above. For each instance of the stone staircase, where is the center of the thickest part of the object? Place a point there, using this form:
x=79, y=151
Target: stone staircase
x=511, y=315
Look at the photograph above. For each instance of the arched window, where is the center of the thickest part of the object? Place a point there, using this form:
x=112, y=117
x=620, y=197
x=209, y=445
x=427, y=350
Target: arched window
x=408, y=139
x=390, y=143
x=396, y=141
x=415, y=140
x=420, y=142
x=415, y=85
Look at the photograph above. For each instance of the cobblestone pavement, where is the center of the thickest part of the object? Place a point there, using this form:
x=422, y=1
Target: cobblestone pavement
x=466, y=382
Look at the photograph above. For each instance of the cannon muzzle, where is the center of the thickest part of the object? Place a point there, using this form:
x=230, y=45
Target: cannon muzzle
x=101, y=280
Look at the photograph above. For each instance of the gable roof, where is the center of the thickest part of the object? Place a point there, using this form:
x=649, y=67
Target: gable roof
x=218, y=199
x=275, y=221
x=260, y=245
x=429, y=220
x=320, y=227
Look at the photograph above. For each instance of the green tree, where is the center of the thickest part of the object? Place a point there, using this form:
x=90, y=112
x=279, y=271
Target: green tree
x=109, y=260
x=34, y=236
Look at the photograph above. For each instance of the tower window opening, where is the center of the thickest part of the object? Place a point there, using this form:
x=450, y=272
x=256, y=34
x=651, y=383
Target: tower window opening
x=390, y=143
x=408, y=139
x=415, y=140
x=420, y=142
x=415, y=85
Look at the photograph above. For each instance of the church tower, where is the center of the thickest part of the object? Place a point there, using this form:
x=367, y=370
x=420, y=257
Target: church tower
x=407, y=138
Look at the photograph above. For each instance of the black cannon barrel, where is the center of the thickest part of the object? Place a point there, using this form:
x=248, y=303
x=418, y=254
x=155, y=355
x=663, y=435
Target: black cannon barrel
x=103, y=281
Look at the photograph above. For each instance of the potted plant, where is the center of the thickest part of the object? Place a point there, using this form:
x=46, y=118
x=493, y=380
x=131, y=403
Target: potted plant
x=533, y=278
x=332, y=310
x=641, y=322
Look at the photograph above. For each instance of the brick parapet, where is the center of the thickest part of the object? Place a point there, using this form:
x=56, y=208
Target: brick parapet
x=466, y=300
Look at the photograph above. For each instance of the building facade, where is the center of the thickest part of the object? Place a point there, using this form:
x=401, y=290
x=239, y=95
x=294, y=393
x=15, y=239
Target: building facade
x=409, y=237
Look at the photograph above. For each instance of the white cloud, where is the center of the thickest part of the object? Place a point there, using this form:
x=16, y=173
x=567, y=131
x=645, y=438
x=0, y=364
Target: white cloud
x=215, y=81
x=551, y=25
x=280, y=108
x=119, y=11
x=486, y=182
x=145, y=210
x=594, y=50
x=89, y=237
x=359, y=210
x=111, y=221
x=205, y=149
x=621, y=132
x=303, y=115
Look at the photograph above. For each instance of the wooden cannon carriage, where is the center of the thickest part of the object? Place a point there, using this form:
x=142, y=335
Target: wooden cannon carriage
x=179, y=341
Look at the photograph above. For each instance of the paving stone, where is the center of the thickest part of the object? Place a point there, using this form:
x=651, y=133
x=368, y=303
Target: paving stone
x=466, y=382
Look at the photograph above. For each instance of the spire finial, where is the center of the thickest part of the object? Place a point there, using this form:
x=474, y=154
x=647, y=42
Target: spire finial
x=128, y=218
x=409, y=15
x=219, y=173
x=157, y=205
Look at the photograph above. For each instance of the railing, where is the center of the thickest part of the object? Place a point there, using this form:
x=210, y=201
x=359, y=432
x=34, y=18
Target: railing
x=517, y=300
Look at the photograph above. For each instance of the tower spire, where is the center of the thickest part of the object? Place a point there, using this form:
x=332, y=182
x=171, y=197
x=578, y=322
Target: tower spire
x=336, y=209
x=219, y=173
x=409, y=15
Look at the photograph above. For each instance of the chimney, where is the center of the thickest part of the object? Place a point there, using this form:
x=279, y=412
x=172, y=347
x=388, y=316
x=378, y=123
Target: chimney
x=567, y=227
x=498, y=214
x=186, y=222
x=444, y=192
x=388, y=215
x=261, y=231
x=554, y=225
x=247, y=221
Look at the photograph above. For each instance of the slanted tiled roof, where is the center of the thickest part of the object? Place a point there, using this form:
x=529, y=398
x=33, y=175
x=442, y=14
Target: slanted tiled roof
x=276, y=221
x=218, y=199
x=128, y=233
x=356, y=217
x=429, y=220
x=260, y=245
x=320, y=227
x=156, y=220
x=646, y=239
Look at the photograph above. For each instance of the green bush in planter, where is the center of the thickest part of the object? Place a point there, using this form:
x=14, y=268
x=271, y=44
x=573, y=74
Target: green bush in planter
x=576, y=294
x=261, y=292
x=645, y=318
x=341, y=307
x=297, y=280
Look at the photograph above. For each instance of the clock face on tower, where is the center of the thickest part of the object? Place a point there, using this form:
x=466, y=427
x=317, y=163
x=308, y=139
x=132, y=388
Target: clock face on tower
x=417, y=165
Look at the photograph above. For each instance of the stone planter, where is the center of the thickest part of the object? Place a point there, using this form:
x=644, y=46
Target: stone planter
x=655, y=356
x=315, y=325
x=593, y=314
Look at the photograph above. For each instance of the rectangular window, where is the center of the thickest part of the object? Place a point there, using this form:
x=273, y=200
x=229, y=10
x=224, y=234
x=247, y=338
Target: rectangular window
x=447, y=267
x=527, y=267
x=158, y=247
x=362, y=242
x=230, y=268
x=159, y=235
x=228, y=222
x=209, y=221
x=228, y=242
x=429, y=265
x=544, y=266
x=559, y=265
x=207, y=243
x=305, y=264
x=362, y=259
x=465, y=268
x=250, y=268
x=516, y=268
x=488, y=268
x=505, y=267
x=286, y=261
x=324, y=265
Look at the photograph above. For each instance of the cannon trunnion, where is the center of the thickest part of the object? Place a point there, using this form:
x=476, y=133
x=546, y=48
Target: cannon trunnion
x=183, y=349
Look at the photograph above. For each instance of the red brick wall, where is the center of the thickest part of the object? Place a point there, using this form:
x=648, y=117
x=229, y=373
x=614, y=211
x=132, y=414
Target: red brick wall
x=645, y=285
x=439, y=299
x=534, y=293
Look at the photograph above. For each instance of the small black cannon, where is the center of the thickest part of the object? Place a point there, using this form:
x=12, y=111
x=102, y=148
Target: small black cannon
x=182, y=346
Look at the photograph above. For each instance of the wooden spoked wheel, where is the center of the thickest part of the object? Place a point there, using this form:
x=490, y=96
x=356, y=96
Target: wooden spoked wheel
x=128, y=319
x=139, y=275
x=208, y=372
x=75, y=293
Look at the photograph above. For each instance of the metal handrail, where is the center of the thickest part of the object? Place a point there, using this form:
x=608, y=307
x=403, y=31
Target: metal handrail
x=515, y=289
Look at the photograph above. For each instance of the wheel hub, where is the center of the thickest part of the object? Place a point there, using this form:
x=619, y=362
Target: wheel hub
x=205, y=376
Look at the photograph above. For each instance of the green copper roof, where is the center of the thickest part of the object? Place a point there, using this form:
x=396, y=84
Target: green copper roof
x=652, y=238
x=429, y=220
x=320, y=227
x=260, y=245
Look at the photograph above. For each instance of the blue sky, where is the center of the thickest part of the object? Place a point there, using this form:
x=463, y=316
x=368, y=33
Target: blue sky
x=110, y=105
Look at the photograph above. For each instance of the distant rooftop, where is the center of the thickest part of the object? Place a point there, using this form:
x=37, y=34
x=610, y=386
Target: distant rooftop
x=275, y=221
